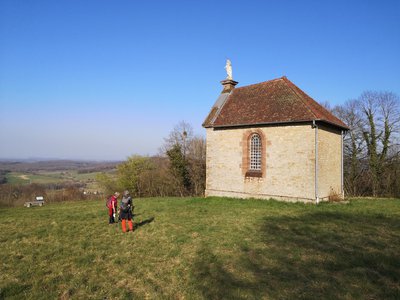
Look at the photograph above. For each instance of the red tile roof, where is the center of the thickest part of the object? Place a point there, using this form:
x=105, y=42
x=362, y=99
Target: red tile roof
x=269, y=102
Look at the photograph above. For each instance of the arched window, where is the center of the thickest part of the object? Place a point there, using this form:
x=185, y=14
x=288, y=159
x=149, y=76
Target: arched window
x=255, y=152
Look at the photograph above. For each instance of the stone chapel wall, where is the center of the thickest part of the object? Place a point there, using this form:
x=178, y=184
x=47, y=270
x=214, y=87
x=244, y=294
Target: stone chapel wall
x=289, y=158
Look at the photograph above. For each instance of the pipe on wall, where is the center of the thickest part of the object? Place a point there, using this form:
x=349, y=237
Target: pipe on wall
x=315, y=126
x=342, y=166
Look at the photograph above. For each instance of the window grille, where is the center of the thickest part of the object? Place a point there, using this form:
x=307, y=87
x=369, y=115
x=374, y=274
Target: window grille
x=255, y=152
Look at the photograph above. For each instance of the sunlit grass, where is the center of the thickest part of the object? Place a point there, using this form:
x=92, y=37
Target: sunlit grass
x=196, y=248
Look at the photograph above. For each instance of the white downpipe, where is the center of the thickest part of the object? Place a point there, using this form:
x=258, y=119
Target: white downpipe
x=316, y=162
x=342, y=167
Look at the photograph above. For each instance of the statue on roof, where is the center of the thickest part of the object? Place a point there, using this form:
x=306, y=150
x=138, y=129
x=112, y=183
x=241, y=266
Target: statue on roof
x=228, y=68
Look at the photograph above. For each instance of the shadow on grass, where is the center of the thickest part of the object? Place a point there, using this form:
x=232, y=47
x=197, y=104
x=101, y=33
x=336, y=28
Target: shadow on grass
x=14, y=290
x=144, y=222
x=315, y=255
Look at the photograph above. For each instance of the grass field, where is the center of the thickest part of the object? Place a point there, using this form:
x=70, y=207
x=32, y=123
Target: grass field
x=196, y=248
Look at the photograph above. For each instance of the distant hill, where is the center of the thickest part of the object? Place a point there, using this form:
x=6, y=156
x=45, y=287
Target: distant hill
x=56, y=165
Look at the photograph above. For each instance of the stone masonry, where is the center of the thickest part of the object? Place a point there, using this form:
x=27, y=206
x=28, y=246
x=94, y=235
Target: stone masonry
x=329, y=162
x=288, y=158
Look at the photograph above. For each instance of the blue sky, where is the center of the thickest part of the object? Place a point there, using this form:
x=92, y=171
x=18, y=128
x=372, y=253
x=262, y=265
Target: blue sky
x=108, y=79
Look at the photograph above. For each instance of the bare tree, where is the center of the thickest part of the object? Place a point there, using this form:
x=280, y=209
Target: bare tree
x=351, y=114
x=380, y=131
x=371, y=147
x=180, y=135
x=186, y=153
x=197, y=164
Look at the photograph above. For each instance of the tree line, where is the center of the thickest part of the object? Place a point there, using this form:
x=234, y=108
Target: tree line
x=178, y=170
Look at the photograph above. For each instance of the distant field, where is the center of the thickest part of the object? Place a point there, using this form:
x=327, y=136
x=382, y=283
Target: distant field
x=46, y=177
x=27, y=178
x=194, y=248
x=56, y=165
x=55, y=171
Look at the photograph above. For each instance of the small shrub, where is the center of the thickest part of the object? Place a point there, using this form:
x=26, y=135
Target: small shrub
x=334, y=196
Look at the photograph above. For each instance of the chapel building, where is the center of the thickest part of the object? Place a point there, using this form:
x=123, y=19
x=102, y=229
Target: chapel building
x=271, y=140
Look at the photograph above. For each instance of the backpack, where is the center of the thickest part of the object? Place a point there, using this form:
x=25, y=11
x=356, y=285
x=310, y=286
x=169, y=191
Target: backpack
x=125, y=205
x=108, y=202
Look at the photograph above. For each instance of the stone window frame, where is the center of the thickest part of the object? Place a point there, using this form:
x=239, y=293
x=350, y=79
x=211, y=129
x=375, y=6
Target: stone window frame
x=246, y=144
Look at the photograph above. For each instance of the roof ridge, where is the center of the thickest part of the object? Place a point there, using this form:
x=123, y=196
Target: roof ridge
x=290, y=85
x=245, y=86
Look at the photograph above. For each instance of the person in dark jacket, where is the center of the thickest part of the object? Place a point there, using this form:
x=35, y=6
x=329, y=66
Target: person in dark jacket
x=126, y=211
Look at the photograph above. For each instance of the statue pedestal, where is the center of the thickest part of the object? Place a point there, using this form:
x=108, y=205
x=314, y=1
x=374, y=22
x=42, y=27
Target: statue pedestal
x=228, y=85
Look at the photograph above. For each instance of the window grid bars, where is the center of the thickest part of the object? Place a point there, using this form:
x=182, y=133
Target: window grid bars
x=255, y=153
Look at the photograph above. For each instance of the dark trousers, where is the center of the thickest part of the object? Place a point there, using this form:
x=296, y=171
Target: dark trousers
x=110, y=213
x=111, y=219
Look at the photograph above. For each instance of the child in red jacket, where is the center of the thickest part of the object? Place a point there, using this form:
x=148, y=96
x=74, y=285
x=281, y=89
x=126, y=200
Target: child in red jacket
x=112, y=207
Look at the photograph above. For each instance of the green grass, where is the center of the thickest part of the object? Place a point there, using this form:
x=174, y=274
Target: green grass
x=196, y=248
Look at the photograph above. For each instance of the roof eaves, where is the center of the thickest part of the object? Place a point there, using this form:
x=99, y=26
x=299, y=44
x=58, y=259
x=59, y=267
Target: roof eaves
x=278, y=123
x=332, y=123
x=261, y=124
